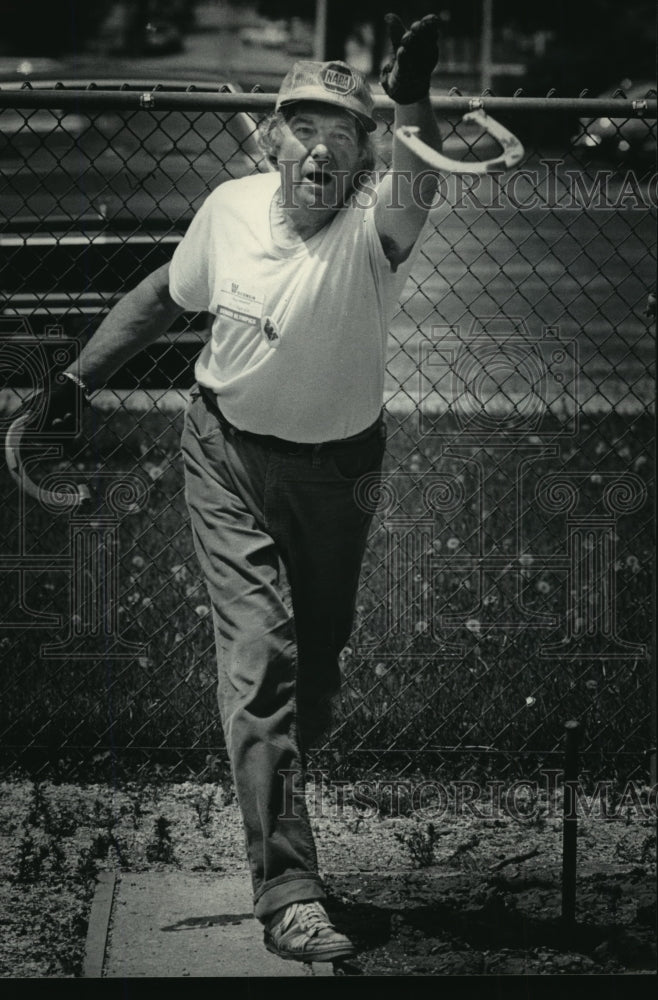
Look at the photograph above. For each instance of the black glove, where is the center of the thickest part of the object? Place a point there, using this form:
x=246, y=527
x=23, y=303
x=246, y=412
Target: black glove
x=406, y=79
x=55, y=407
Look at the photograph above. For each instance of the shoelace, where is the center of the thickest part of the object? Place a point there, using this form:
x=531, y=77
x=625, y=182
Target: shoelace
x=312, y=918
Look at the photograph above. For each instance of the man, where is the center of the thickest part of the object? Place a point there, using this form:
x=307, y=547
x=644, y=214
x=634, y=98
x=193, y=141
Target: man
x=301, y=272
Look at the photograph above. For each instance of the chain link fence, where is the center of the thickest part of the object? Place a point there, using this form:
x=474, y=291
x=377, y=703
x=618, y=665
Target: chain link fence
x=507, y=583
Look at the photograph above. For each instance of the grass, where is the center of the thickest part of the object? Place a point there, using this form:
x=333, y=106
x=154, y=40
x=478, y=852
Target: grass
x=407, y=692
x=405, y=688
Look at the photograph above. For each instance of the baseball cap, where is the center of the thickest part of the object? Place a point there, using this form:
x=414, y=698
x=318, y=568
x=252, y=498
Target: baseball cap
x=332, y=83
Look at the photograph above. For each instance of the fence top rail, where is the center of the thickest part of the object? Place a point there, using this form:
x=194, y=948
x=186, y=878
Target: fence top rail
x=96, y=97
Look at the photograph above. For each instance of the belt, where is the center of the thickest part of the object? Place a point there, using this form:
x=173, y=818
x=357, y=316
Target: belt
x=281, y=444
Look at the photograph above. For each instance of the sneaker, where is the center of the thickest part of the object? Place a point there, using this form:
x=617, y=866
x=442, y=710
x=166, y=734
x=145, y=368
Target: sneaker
x=306, y=934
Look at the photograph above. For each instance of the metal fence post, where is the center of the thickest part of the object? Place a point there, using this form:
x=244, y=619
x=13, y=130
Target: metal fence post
x=573, y=732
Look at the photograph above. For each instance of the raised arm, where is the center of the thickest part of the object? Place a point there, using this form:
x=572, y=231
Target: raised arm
x=403, y=197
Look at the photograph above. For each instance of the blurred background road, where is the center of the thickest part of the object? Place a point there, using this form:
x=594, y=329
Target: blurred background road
x=484, y=43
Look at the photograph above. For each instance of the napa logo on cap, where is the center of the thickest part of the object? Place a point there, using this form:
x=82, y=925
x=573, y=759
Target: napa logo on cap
x=338, y=78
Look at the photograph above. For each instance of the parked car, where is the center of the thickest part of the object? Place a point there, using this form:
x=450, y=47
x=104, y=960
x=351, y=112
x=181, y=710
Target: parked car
x=620, y=137
x=269, y=35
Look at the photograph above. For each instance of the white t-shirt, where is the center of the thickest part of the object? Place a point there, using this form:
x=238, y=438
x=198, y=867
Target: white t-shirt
x=298, y=345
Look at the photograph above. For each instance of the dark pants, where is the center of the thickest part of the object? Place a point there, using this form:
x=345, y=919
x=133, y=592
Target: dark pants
x=280, y=538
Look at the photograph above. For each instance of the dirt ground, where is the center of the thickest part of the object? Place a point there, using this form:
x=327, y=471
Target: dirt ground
x=421, y=925
x=448, y=895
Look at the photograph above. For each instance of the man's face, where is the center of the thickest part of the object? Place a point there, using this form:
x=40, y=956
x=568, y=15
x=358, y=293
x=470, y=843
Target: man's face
x=319, y=156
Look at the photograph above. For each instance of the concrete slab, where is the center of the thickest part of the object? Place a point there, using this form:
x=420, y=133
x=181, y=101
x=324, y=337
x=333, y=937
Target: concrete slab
x=177, y=924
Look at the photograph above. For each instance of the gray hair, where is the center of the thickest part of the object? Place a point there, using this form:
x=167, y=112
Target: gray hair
x=269, y=139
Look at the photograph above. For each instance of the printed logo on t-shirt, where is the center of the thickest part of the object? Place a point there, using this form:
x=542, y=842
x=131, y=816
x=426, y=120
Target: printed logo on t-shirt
x=270, y=331
x=239, y=303
x=338, y=79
